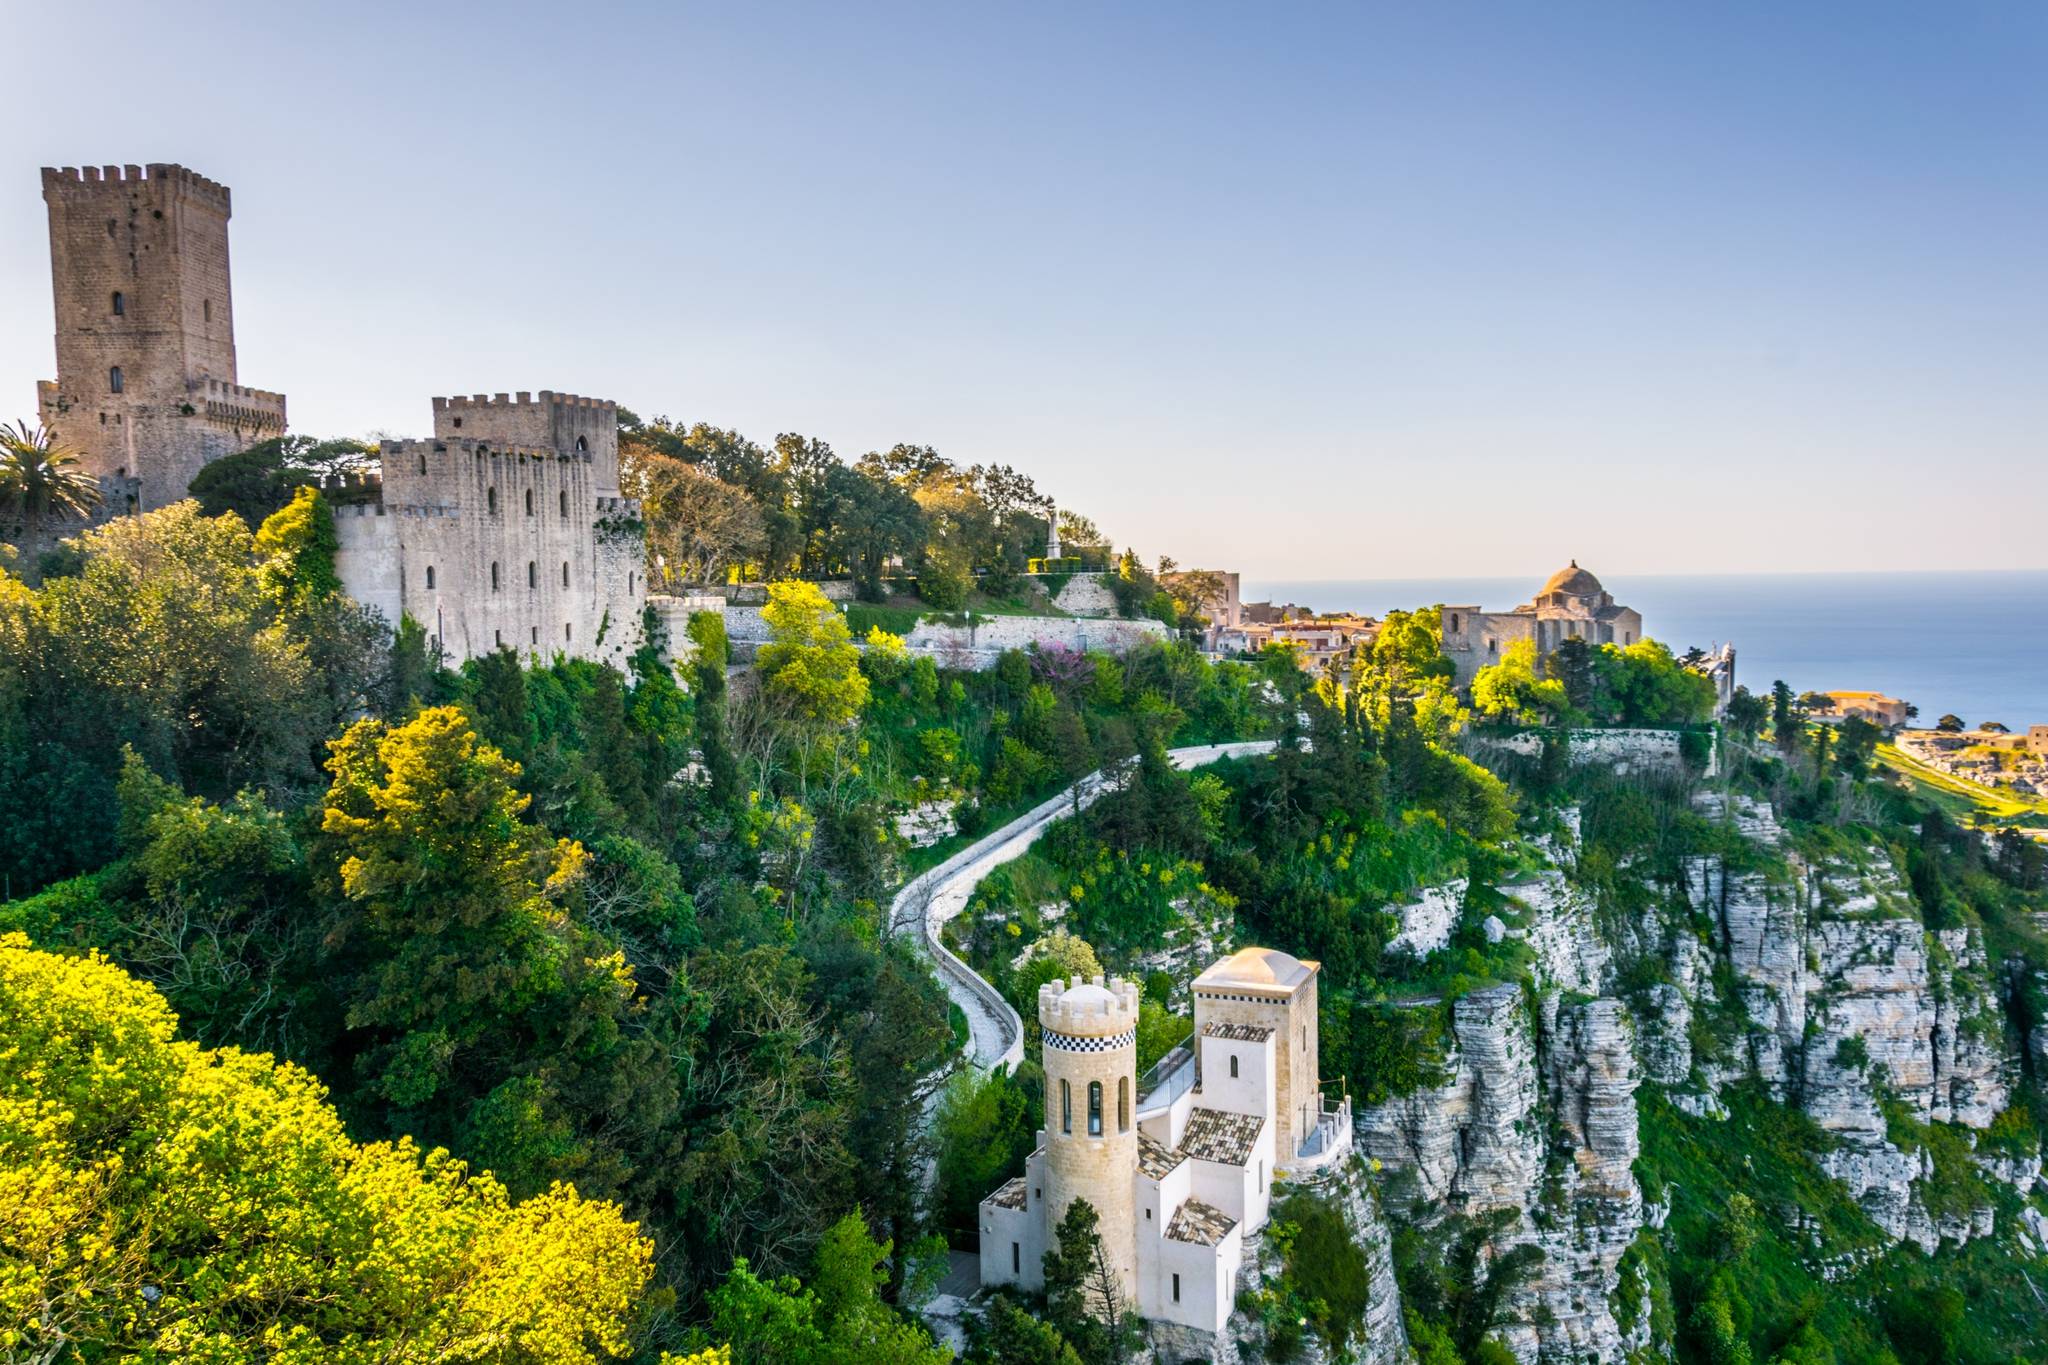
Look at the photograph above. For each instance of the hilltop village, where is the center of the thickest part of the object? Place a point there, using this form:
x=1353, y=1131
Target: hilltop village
x=577, y=885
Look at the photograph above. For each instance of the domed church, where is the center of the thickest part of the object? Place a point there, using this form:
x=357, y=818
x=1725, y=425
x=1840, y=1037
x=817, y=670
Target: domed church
x=1570, y=605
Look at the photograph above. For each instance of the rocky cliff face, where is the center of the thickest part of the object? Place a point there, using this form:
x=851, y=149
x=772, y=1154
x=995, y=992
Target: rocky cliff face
x=1538, y=1117
x=1814, y=976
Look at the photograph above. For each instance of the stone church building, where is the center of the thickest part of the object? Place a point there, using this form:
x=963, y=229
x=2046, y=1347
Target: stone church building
x=506, y=527
x=1571, y=605
x=1179, y=1168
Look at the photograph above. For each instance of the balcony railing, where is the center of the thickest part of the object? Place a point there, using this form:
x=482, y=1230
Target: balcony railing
x=1168, y=1078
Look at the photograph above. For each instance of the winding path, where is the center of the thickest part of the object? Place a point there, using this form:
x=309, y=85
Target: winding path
x=929, y=900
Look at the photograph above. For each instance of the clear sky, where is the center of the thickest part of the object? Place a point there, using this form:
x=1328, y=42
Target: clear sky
x=1305, y=291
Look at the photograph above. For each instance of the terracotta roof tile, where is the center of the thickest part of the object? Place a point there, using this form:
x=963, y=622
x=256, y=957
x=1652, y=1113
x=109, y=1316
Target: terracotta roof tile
x=1199, y=1223
x=1217, y=1135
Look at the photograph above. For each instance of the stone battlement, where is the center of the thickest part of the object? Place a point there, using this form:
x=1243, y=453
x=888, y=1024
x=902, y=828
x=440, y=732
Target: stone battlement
x=521, y=399
x=464, y=446
x=69, y=178
x=1093, y=1009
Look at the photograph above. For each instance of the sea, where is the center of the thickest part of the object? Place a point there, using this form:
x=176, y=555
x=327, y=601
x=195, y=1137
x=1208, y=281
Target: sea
x=1974, y=644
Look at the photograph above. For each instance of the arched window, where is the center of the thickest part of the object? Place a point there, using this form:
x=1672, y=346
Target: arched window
x=1066, y=1108
x=430, y=578
x=494, y=575
x=581, y=445
x=114, y=380
x=532, y=574
x=1454, y=623
x=1095, y=1109
x=565, y=573
x=1233, y=1066
x=529, y=502
x=423, y=462
x=491, y=501
x=565, y=502
x=120, y=304
x=1123, y=1104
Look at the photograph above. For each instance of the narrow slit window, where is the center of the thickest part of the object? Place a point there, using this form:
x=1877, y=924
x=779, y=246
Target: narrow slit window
x=1233, y=1066
x=565, y=573
x=568, y=631
x=529, y=502
x=494, y=575
x=1066, y=1108
x=1176, y=1288
x=565, y=502
x=114, y=380
x=430, y=577
x=1016, y=1259
x=1123, y=1104
x=1095, y=1109
x=120, y=304
x=532, y=574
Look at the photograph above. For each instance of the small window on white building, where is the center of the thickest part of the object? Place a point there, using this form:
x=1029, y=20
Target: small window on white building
x=565, y=573
x=494, y=575
x=565, y=501
x=568, y=631
x=1233, y=1066
x=498, y=638
x=532, y=574
x=529, y=502
x=1176, y=1288
x=536, y=634
x=430, y=578
x=1016, y=1259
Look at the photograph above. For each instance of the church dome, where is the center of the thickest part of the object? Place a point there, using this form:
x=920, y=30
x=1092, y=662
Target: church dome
x=1573, y=581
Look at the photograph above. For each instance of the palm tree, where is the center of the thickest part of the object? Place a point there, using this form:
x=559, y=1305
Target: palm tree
x=38, y=476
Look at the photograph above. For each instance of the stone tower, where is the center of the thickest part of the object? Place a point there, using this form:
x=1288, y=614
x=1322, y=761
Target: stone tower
x=146, y=386
x=1091, y=1129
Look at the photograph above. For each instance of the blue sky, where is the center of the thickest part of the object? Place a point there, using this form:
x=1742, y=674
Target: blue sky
x=1306, y=291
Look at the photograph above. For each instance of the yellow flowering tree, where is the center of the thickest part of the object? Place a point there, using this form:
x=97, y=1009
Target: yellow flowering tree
x=810, y=664
x=160, y=1200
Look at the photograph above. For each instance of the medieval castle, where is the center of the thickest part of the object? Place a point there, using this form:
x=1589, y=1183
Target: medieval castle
x=506, y=528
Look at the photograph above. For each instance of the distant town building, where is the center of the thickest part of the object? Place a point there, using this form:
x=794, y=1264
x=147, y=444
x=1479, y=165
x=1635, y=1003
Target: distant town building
x=1320, y=640
x=1571, y=605
x=1875, y=707
x=1179, y=1171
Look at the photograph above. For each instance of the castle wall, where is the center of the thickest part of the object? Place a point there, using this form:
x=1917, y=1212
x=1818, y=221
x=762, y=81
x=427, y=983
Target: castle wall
x=488, y=545
x=563, y=422
x=160, y=241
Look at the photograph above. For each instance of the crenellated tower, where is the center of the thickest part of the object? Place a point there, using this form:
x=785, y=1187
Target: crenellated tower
x=146, y=385
x=1091, y=1129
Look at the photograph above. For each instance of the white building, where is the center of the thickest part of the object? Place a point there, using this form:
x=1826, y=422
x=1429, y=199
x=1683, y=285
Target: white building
x=1182, y=1173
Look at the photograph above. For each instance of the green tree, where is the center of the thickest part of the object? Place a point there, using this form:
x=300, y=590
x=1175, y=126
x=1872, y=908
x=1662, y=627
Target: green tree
x=985, y=1126
x=166, y=1201
x=1511, y=691
x=40, y=477
x=810, y=666
x=263, y=479
x=295, y=549
x=1950, y=723
x=1084, y=1300
x=1747, y=713
x=1006, y=1334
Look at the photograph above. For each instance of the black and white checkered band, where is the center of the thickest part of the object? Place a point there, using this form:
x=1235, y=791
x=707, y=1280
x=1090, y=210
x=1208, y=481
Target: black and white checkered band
x=1066, y=1042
